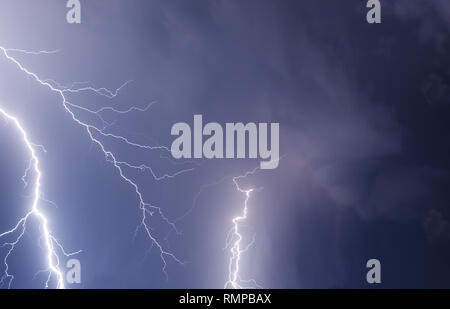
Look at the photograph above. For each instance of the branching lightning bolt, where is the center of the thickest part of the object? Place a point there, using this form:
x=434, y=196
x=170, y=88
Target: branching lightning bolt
x=234, y=241
x=94, y=133
x=49, y=240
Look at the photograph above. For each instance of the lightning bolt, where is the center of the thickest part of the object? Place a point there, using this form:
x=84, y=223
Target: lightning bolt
x=32, y=52
x=94, y=133
x=234, y=241
x=49, y=240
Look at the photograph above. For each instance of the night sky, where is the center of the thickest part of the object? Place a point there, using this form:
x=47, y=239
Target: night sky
x=364, y=113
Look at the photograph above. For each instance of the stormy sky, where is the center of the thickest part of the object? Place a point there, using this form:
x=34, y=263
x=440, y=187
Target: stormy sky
x=364, y=123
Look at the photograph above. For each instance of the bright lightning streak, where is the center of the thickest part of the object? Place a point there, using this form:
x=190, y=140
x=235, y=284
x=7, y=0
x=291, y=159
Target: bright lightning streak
x=234, y=241
x=28, y=52
x=93, y=133
x=49, y=240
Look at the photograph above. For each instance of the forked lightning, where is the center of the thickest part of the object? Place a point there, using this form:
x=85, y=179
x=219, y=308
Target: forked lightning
x=52, y=246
